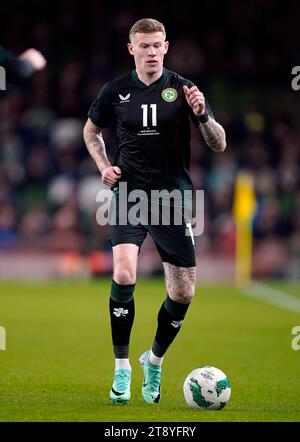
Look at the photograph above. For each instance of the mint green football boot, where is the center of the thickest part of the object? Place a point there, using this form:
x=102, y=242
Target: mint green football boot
x=151, y=389
x=120, y=390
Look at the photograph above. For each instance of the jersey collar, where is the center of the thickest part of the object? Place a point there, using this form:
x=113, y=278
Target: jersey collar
x=136, y=79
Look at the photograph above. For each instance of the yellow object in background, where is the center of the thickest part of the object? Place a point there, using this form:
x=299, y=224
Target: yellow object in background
x=244, y=206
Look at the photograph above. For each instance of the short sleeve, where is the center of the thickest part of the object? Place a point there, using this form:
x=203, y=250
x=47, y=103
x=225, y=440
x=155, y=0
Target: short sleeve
x=100, y=112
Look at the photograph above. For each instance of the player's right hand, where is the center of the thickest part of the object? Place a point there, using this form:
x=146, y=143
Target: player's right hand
x=110, y=175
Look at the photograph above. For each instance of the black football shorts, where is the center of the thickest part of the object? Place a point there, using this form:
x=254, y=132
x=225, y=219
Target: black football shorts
x=175, y=243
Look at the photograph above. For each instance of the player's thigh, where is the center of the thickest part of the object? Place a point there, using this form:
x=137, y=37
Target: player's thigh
x=126, y=241
x=125, y=263
x=175, y=244
x=180, y=282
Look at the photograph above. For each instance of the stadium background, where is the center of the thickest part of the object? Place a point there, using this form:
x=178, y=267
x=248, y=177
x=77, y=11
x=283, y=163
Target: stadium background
x=239, y=54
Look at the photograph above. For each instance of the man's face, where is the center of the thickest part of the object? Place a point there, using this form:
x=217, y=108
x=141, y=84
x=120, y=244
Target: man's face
x=148, y=51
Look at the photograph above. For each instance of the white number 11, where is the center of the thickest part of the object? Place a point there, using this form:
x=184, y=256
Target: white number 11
x=153, y=107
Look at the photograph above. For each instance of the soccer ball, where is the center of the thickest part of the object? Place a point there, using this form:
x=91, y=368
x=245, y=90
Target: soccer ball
x=207, y=388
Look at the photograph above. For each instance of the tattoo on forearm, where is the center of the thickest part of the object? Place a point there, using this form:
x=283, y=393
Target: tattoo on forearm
x=95, y=145
x=180, y=281
x=214, y=135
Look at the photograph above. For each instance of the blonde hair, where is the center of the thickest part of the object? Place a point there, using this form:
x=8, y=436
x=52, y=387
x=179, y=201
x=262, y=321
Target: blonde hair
x=147, y=26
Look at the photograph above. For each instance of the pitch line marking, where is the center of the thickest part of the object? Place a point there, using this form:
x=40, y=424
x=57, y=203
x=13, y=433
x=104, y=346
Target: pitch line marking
x=272, y=296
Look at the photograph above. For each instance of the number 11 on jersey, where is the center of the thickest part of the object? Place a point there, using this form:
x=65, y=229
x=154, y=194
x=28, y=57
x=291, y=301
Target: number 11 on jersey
x=153, y=108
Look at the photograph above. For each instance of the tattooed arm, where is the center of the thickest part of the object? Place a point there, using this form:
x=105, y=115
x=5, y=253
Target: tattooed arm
x=214, y=135
x=213, y=132
x=95, y=144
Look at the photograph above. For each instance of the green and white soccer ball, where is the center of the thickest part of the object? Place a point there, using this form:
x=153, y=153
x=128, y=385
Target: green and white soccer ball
x=207, y=388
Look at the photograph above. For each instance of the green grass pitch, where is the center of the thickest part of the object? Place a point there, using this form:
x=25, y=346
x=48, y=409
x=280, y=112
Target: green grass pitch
x=58, y=363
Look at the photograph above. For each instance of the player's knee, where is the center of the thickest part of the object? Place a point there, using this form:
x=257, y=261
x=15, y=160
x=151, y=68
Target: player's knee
x=124, y=276
x=183, y=294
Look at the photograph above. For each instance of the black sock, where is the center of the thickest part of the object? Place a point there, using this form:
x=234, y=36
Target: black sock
x=170, y=317
x=121, y=306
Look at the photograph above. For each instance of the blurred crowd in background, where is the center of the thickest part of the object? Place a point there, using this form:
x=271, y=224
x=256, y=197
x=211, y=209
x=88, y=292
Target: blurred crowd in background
x=239, y=54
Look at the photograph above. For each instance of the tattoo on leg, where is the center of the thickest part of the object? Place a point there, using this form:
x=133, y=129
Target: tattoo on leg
x=180, y=282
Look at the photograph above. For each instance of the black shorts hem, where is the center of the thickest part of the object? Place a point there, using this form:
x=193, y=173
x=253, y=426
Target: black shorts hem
x=117, y=243
x=178, y=263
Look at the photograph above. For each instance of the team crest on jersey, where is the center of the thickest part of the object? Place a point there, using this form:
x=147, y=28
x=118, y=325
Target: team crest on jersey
x=170, y=94
x=124, y=99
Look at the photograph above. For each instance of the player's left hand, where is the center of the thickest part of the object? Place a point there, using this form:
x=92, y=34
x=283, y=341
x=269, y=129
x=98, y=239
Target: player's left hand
x=195, y=99
x=35, y=57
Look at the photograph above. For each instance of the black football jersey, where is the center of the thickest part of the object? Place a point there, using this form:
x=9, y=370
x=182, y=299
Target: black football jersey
x=153, y=129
